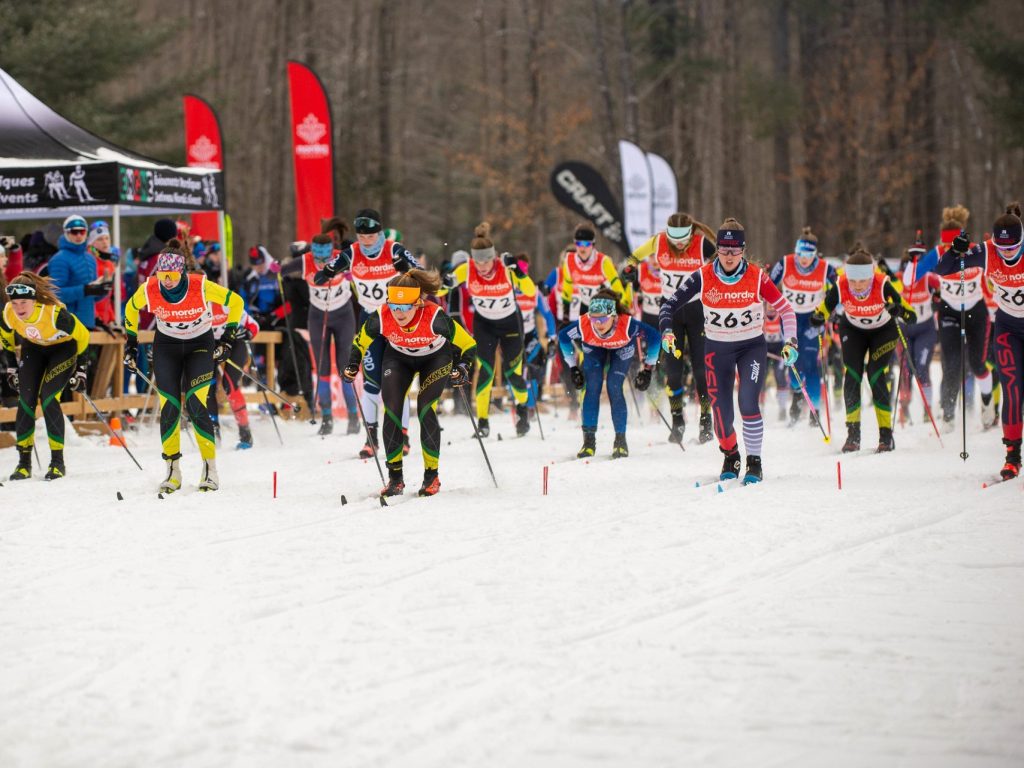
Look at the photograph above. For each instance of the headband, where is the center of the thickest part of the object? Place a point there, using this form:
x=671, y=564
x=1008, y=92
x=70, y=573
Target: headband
x=860, y=271
x=403, y=294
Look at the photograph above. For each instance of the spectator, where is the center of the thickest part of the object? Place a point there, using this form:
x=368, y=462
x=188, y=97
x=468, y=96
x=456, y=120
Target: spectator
x=74, y=272
x=261, y=290
x=145, y=257
x=106, y=255
x=208, y=256
x=11, y=258
x=37, y=251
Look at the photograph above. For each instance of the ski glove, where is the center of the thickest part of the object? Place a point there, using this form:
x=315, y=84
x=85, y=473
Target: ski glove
x=642, y=380
x=816, y=319
x=552, y=350
x=78, y=378
x=629, y=273
x=99, y=287
x=131, y=354
x=325, y=275
x=961, y=243
x=668, y=343
x=461, y=374
x=790, y=353
x=350, y=372
x=899, y=312
x=12, y=377
x=577, y=377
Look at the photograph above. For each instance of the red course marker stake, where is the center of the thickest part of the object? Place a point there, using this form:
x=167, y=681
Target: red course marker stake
x=545, y=479
x=275, y=484
x=839, y=475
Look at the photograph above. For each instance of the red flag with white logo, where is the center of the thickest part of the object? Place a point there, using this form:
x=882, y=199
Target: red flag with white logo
x=312, y=152
x=203, y=149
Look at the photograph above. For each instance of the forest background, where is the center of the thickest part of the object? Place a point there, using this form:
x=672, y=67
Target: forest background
x=860, y=118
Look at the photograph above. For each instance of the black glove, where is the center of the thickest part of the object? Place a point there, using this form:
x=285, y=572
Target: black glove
x=552, y=350
x=131, y=354
x=324, y=276
x=642, y=380
x=544, y=289
x=899, y=312
x=222, y=349
x=462, y=372
x=629, y=273
x=816, y=319
x=99, y=287
x=78, y=378
x=242, y=334
x=12, y=377
x=350, y=372
x=576, y=375
x=961, y=243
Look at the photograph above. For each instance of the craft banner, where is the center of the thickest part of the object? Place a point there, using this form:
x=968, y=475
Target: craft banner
x=582, y=190
x=664, y=191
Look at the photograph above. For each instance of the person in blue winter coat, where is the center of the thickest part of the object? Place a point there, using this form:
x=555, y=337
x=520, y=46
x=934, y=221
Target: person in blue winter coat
x=803, y=277
x=608, y=337
x=74, y=273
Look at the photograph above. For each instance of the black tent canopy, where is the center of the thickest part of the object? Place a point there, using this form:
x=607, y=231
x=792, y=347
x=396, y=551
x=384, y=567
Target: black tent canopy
x=51, y=167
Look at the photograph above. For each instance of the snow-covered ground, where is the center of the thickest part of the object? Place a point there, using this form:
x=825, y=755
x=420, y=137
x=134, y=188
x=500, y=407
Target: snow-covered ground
x=628, y=618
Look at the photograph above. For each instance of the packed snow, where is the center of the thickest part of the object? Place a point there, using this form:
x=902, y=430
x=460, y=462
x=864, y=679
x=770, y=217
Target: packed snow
x=627, y=618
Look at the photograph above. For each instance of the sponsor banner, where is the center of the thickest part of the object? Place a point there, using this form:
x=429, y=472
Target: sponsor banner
x=636, y=194
x=664, y=191
x=204, y=148
x=162, y=188
x=312, y=152
x=581, y=189
x=63, y=186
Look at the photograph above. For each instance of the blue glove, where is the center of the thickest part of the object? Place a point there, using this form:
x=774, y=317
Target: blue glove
x=790, y=353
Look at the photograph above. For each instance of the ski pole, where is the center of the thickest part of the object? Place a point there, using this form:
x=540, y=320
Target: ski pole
x=536, y=405
x=823, y=361
x=913, y=372
x=807, y=399
x=295, y=358
x=963, y=356
x=260, y=384
x=111, y=431
x=36, y=452
x=472, y=419
x=373, y=444
x=270, y=409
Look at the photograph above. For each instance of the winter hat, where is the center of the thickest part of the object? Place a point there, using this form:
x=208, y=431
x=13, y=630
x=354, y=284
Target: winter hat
x=731, y=235
x=170, y=262
x=1008, y=231
x=97, y=231
x=807, y=244
x=259, y=255
x=459, y=257
x=165, y=229
x=584, y=232
x=367, y=221
x=74, y=221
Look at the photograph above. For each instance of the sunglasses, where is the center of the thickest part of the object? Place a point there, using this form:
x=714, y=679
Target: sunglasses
x=366, y=226
x=584, y=243
x=20, y=291
x=76, y=231
x=1008, y=248
x=400, y=307
x=730, y=251
x=163, y=275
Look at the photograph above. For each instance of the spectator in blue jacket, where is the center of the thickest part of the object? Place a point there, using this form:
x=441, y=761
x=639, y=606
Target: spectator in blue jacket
x=73, y=271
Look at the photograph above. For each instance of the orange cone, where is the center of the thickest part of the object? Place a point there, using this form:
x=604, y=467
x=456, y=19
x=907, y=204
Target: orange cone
x=115, y=426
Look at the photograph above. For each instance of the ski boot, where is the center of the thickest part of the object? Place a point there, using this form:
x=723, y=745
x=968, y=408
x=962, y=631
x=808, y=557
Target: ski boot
x=589, y=444
x=619, y=448
x=753, y=473
x=431, y=483
x=852, y=437
x=353, y=424
x=396, y=485
x=406, y=446
x=1011, y=468
x=370, y=449
x=813, y=419
x=172, y=482
x=706, y=430
x=209, y=480
x=56, y=469
x=886, y=442
x=794, y=410
x=675, y=434
x=522, y=419
x=326, y=424
x=989, y=412
x=731, y=465
x=244, y=437
x=24, y=469
x=483, y=427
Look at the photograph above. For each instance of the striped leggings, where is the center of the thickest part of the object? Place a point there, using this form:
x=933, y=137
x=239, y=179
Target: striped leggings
x=724, y=362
